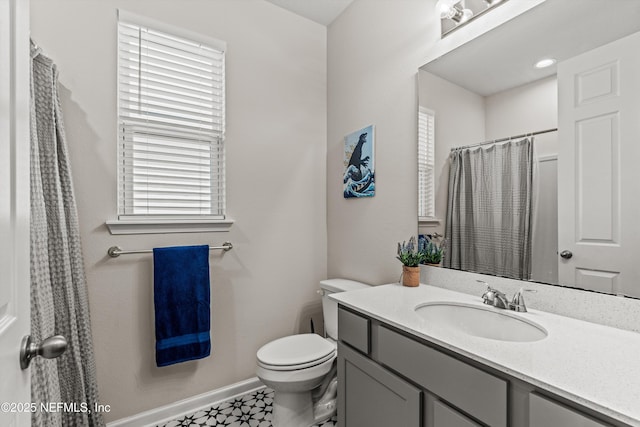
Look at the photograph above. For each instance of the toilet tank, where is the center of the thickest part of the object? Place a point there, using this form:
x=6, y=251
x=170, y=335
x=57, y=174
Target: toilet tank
x=330, y=307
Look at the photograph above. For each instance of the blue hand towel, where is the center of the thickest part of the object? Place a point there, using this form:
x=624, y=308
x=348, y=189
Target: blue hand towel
x=181, y=297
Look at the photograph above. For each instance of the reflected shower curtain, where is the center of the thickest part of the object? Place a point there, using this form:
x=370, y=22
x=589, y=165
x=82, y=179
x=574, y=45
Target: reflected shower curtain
x=490, y=207
x=59, y=303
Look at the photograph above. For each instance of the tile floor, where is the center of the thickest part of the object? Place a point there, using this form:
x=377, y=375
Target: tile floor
x=249, y=410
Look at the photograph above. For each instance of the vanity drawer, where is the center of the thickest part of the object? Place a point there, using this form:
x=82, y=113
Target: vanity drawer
x=353, y=330
x=544, y=412
x=473, y=391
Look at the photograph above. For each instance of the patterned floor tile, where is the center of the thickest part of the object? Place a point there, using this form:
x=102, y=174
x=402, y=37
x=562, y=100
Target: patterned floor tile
x=249, y=410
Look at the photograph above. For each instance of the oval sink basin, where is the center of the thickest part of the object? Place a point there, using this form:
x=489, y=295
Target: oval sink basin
x=478, y=321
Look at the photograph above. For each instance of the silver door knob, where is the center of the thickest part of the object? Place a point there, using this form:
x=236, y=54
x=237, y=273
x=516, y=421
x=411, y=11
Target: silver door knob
x=49, y=348
x=566, y=254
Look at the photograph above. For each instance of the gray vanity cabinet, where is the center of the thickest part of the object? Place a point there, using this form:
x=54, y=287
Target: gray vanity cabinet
x=372, y=396
x=388, y=378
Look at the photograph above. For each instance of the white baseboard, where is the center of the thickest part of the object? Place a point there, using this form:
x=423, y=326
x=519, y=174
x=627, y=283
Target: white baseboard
x=187, y=406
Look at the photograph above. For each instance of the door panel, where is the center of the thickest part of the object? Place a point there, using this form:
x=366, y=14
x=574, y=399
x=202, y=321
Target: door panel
x=598, y=173
x=598, y=185
x=14, y=209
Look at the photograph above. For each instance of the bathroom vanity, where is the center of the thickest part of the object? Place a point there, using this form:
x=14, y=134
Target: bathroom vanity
x=398, y=367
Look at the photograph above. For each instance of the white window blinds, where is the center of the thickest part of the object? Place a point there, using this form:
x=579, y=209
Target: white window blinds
x=171, y=120
x=426, y=164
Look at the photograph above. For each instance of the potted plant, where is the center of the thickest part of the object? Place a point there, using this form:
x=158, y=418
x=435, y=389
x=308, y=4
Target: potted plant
x=432, y=251
x=410, y=257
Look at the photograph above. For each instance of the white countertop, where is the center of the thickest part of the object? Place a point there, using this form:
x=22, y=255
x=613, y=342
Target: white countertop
x=593, y=365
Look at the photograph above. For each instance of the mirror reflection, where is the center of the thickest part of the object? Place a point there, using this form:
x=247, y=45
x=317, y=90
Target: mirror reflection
x=537, y=181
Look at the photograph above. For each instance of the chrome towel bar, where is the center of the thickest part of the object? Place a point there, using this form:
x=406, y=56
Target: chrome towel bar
x=116, y=251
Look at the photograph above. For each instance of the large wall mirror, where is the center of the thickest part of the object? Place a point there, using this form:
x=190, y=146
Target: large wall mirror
x=536, y=171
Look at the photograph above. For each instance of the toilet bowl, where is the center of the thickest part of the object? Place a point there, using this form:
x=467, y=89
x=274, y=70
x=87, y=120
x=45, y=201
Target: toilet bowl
x=296, y=366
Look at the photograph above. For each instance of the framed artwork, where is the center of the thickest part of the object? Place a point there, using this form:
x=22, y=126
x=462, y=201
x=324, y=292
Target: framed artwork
x=359, y=164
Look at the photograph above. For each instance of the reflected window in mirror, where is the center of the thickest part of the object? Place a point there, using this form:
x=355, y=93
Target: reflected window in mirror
x=426, y=165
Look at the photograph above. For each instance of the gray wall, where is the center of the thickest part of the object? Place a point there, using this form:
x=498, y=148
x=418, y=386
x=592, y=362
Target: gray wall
x=276, y=146
x=374, y=51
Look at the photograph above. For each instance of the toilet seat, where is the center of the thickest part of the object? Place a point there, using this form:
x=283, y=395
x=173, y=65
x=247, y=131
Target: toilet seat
x=296, y=367
x=295, y=352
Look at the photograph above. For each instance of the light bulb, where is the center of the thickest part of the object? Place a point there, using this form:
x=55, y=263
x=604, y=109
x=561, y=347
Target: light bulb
x=544, y=63
x=446, y=9
x=466, y=15
x=450, y=9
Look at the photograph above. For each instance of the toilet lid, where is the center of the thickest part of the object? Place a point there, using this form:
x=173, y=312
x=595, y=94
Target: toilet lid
x=294, y=350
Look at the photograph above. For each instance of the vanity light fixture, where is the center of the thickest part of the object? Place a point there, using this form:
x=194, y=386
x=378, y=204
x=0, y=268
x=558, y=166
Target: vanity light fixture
x=456, y=13
x=544, y=63
x=452, y=9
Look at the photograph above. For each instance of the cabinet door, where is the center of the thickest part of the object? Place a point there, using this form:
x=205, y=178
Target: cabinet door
x=370, y=396
x=544, y=413
x=444, y=416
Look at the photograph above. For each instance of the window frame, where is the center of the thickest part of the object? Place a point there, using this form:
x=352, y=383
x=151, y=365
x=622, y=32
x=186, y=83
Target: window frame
x=426, y=142
x=168, y=223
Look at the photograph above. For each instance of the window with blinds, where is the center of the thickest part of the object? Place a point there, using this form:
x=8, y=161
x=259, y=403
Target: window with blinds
x=426, y=164
x=171, y=120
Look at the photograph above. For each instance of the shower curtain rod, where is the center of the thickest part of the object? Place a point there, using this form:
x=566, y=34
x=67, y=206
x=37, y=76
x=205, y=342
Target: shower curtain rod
x=494, y=141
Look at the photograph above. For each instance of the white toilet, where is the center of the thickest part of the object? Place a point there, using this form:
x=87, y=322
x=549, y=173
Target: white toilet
x=294, y=366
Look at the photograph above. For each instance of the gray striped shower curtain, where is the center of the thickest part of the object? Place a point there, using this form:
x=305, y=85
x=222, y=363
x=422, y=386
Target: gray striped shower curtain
x=490, y=208
x=59, y=303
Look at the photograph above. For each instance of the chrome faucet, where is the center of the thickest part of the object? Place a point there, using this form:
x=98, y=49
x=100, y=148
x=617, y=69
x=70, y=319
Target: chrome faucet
x=494, y=297
x=517, y=303
x=499, y=300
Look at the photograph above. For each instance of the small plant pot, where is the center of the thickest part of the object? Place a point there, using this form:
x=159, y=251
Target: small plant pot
x=433, y=265
x=410, y=276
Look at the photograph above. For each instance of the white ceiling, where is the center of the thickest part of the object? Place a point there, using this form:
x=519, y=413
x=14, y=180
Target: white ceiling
x=503, y=58
x=320, y=11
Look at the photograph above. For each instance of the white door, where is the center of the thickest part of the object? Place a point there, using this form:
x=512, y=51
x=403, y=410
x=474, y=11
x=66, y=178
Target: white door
x=14, y=209
x=599, y=168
